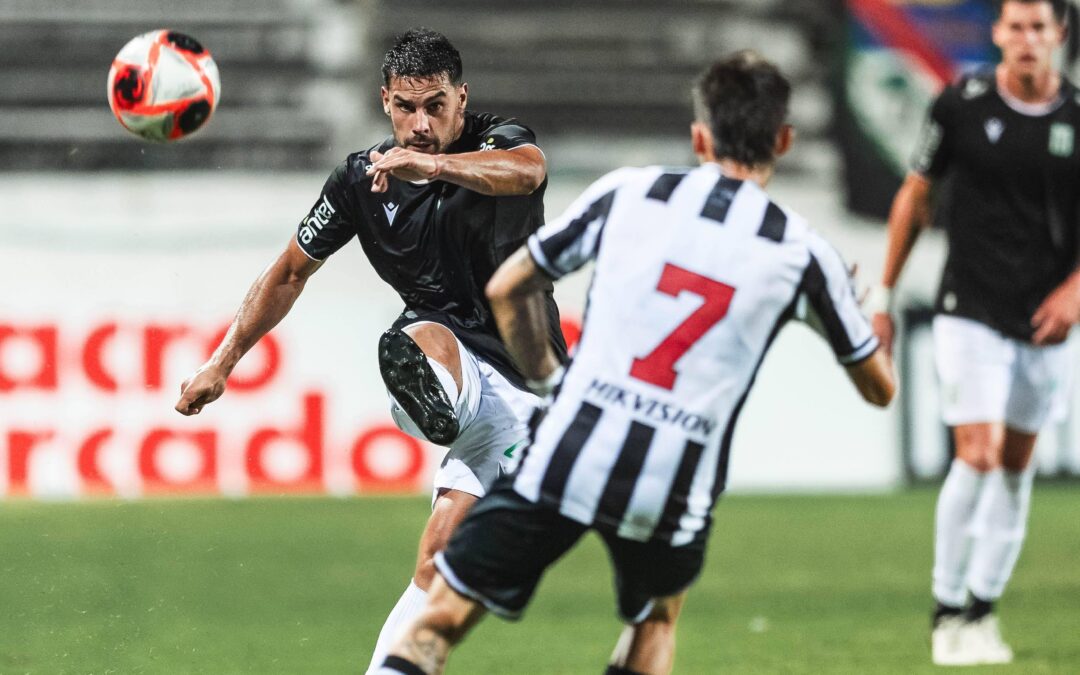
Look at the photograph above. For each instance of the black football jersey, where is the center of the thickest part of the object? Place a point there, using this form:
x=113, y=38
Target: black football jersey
x=1007, y=197
x=437, y=244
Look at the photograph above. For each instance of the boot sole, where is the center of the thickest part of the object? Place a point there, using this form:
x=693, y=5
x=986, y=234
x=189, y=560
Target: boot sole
x=412, y=382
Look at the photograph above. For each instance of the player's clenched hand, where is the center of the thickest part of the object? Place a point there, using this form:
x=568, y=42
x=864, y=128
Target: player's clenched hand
x=1057, y=314
x=204, y=386
x=403, y=164
x=884, y=329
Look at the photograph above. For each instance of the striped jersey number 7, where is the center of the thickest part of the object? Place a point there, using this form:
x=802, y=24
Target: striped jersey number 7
x=658, y=367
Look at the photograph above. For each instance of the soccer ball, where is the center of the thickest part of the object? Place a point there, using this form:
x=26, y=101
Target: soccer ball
x=163, y=85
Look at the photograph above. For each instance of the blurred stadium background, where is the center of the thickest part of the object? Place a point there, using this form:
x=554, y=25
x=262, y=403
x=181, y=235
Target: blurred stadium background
x=123, y=261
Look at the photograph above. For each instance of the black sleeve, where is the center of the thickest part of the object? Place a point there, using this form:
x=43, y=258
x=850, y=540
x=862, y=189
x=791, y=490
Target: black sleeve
x=507, y=136
x=933, y=151
x=330, y=224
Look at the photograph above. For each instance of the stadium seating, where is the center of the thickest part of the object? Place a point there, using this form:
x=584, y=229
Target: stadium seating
x=56, y=55
x=299, y=77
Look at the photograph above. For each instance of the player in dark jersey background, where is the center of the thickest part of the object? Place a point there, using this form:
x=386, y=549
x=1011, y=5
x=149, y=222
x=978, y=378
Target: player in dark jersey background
x=999, y=154
x=436, y=207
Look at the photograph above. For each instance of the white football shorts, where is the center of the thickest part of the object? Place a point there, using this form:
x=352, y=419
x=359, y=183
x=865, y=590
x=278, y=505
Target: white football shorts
x=493, y=417
x=988, y=377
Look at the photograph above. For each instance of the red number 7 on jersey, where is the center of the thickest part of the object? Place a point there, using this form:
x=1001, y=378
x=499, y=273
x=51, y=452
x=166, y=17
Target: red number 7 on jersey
x=659, y=366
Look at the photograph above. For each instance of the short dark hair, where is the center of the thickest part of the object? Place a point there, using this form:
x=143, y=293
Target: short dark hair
x=420, y=52
x=1060, y=7
x=744, y=100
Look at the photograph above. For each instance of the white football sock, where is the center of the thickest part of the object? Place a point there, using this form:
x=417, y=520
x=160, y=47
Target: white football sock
x=999, y=533
x=952, y=537
x=408, y=607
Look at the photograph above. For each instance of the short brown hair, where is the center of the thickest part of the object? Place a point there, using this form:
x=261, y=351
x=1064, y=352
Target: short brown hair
x=744, y=100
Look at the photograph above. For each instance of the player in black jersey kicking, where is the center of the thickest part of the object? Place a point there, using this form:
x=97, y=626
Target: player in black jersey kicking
x=1001, y=146
x=436, y=207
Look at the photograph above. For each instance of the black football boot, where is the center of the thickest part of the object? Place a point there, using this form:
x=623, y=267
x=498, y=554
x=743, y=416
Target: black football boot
x=412, y=382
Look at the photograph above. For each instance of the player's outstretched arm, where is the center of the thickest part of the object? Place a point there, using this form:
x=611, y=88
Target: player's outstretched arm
x=909, y=215
x=267, y=302
x=497, y=173
x=516, y=292
x=874, y=378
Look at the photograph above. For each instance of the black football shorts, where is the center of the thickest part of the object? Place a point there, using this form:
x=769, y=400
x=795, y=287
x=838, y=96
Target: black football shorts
x=498, y=554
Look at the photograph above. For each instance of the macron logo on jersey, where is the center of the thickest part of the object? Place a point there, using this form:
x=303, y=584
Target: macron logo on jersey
x=390, y=208
x=314, y=223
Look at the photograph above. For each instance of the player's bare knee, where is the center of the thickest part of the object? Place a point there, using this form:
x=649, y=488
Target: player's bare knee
x=981, y=459
x=979, y=445
x=1018, y=451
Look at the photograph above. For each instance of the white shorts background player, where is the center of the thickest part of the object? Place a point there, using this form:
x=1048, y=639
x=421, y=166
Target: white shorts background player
x=999, y=146
x=985, y=375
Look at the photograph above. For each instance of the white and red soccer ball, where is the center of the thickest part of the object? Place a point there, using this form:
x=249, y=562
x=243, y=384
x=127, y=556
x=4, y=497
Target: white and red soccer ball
x=163, y=85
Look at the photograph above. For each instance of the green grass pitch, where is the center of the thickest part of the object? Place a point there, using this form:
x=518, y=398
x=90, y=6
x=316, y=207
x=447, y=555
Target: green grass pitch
x=792, y=585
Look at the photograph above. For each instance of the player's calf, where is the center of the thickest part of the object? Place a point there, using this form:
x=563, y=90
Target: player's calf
x=426, y=643
x=648, y=647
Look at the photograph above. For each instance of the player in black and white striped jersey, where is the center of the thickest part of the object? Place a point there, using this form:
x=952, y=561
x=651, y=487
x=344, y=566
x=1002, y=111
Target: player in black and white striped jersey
x=696, y=272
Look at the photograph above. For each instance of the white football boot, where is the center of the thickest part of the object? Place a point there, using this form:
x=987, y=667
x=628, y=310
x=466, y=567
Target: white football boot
x=983, y=638
x=951, y=644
